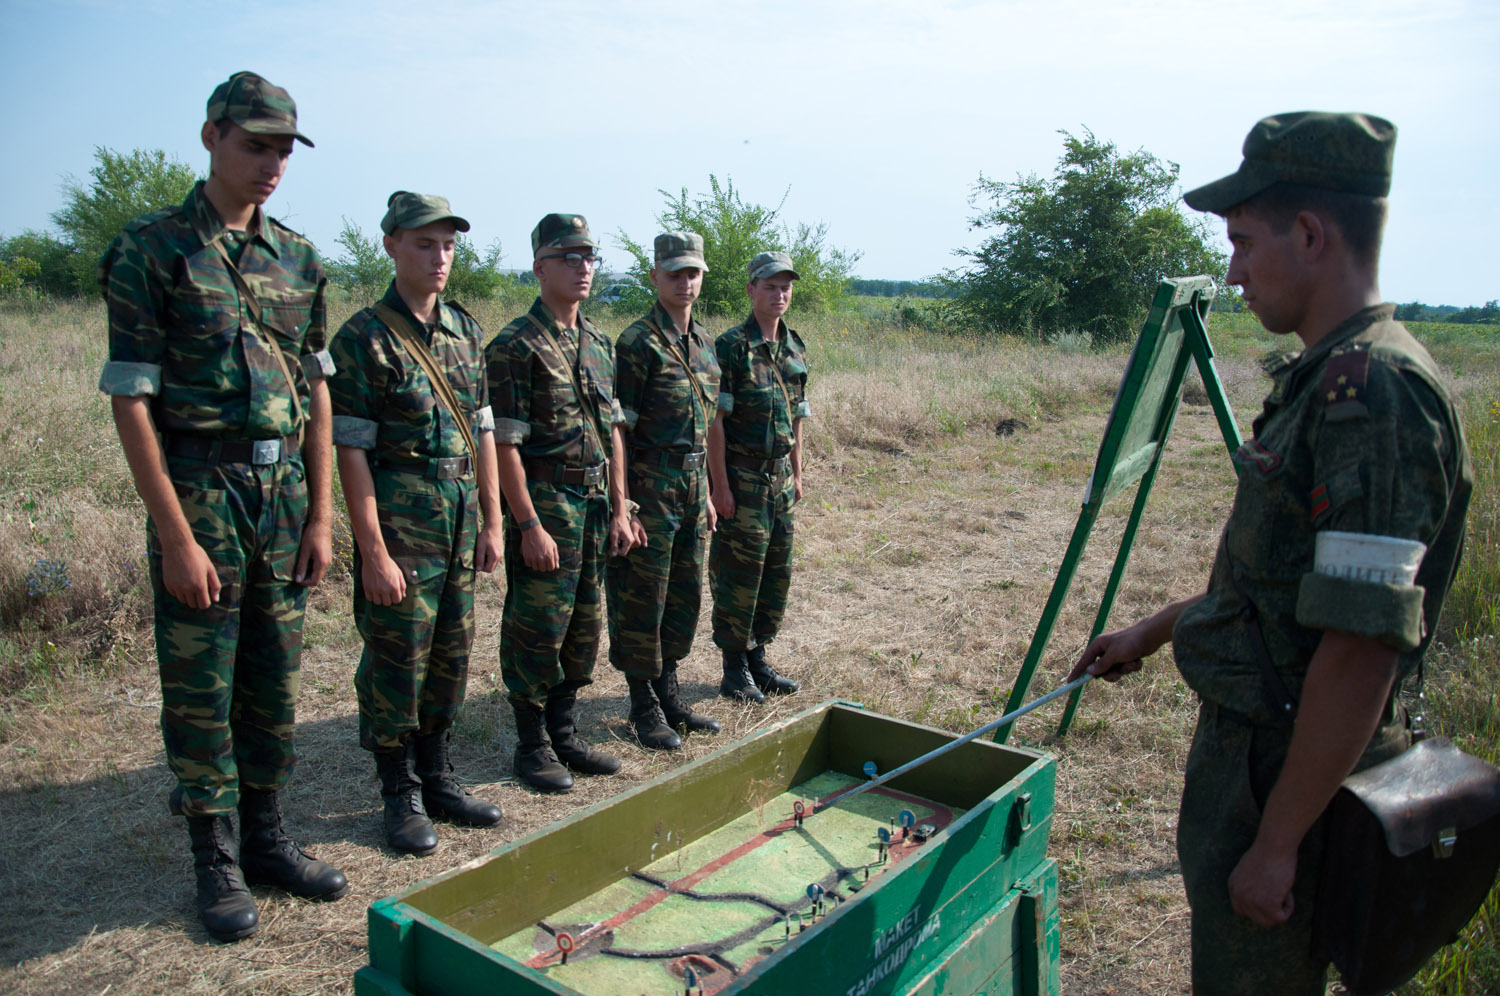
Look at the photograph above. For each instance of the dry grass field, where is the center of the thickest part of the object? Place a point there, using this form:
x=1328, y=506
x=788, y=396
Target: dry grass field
x=928, y=542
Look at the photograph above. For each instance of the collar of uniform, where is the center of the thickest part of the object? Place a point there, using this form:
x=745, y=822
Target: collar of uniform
x=543, y=314
x=663, y=320
x=754, y=336
x=445, y=318
x=1344, y=331
x=208, y=225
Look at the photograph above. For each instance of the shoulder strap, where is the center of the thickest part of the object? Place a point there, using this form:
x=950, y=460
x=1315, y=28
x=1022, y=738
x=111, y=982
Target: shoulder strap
x=1274, y=688
x=253, y=303
x=590, y=414
x=680, y=351
x=398, y=323
x=780, y=382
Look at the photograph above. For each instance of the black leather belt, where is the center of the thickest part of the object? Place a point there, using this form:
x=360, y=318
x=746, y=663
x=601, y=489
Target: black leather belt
x=548, y=472
x=436, y=468
x=671, y=459
x=253, y=451
x=775, y=465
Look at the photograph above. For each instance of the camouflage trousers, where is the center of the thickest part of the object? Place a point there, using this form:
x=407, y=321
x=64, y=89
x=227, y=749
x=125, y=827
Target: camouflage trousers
x=1230, y=772
x=750, y=560
x=415, y=665
x=229, y=673
x=656, y=591
x=549, y=627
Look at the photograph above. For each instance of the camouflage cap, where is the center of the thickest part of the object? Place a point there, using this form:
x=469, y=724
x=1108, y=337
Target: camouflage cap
x=1345, y=152
x=405, y=209
x=768, y=264
x=561, y=231
x=256, y=105
x=678, y=251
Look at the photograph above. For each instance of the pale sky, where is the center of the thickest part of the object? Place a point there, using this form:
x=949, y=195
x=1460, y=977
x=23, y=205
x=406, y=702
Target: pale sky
x=879, y=116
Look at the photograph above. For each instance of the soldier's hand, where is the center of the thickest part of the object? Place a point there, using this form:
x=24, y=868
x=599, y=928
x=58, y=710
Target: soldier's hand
x=1112, y=656
x=723, y=499
x=796, y=488
x=713, y=516
x=621, y=536
x=189, y=576
x=1260, y=887
x=637, y=533
x=539, y=550
x=314, y=554
x=382, y=580
x=488, y=548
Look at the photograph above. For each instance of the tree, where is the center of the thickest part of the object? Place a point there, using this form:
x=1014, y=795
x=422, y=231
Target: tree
x=474, y=276
x=39, y=261
x=1082, y=250
x=123, y=187
x=733, y=232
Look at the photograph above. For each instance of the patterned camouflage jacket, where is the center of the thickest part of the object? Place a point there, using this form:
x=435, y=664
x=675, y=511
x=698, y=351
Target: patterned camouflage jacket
x=180, y=332
x=531, y=389
x=667, y=405
x=759, y=407
x=1357, y=435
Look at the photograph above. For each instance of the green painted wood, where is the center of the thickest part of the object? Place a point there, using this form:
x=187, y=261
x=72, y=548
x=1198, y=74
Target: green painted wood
x=426, y=941
x=1134, y=441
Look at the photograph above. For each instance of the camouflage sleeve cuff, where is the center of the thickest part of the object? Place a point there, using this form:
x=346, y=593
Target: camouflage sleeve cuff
x=726, y=402
x=1390, y=613
x=803, y=410
x=130, y=380
x=316, y=366
x=358, y=432
x=616, y=413
x=509, y=432
x=631, y=417
x=484, y=420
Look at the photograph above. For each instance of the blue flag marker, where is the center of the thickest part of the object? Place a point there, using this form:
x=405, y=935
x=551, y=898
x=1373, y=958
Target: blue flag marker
x=870, y=770
x=907, y=818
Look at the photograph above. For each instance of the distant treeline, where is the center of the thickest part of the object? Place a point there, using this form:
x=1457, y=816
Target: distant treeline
x=896, y=288
x=1416, y=311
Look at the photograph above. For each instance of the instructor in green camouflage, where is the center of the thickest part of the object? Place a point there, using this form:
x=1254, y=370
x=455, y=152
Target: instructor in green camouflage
x=216, y=375
x=416, y=480
x=1342, y=542
x=667, y=381
x=559, y=434
x=755, y=460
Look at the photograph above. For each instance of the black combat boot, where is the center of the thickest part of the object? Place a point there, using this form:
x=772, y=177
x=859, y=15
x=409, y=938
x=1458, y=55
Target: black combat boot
x=651, y=727
x=442, y=795
x=766, y=678
x=679, y=714
x=737, y=683
x=269, y=857
x=224, y=904
x=576, y=754
x=535, y=764
x=407, y=827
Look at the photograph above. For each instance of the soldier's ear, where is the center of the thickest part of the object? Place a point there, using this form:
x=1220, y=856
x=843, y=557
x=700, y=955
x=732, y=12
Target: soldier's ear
x=208, y=135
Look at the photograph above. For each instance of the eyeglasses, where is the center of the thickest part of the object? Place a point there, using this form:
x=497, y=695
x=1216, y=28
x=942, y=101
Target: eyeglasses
x=575, y=259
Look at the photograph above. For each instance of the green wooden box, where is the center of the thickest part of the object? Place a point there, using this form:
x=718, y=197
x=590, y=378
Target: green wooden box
x=973, y=911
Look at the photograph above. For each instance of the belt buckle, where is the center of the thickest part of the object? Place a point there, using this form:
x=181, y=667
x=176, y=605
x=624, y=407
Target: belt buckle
x=694, y=460
x=264, y=451
x=593, y=475
x=449, y=468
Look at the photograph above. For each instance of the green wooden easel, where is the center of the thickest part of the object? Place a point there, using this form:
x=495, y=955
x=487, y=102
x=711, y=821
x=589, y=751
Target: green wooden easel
x=1135, y=437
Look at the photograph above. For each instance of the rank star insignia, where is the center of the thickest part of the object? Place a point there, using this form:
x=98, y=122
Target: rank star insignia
x=1333, y=395
x=1350, y=392
x=1343, y=380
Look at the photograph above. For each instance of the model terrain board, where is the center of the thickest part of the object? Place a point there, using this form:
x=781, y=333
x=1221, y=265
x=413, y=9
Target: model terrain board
x=728, y=876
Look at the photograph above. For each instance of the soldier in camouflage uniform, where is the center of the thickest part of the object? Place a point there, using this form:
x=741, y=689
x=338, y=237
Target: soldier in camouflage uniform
x=666, y=380
x=1358, y=445
x=559, y=433
x=415, y=490
x=755, y=459
x=216, y=343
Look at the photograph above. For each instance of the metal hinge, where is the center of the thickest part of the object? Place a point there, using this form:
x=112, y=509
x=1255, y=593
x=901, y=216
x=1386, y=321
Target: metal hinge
x=1442, y=847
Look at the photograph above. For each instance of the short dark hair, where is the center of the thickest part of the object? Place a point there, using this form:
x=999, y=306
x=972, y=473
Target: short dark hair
x=1359, y=217
x=224, y=124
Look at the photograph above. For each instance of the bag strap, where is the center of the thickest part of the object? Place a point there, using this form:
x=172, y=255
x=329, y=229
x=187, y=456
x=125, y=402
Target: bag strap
x=786, y=394
x=407, y=335
x=1275, y=689
x=589, y=414
x=253, y=303
x=680, y=352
